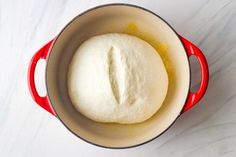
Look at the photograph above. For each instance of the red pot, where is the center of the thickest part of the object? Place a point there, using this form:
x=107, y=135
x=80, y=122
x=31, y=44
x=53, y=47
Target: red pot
x=114, y=18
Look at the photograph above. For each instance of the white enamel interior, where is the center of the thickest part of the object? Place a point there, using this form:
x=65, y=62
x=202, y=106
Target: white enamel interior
x=106, y=19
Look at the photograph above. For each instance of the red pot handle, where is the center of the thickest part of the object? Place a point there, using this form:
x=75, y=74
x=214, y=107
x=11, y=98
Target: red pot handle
x=40, y=54
x=193, y=98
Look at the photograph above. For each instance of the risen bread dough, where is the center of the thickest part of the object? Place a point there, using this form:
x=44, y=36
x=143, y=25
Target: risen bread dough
x=117, y=78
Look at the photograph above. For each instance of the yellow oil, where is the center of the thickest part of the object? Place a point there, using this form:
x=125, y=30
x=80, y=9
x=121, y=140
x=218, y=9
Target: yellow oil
x=162, y=48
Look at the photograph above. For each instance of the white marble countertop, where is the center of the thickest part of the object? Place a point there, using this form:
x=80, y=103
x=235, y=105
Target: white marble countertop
x=26, y=130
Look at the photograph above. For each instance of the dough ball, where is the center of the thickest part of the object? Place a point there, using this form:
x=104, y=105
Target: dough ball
x=117, y=78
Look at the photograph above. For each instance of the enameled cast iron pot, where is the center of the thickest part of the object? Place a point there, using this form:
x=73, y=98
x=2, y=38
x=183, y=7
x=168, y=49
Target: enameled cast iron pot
x=106, y=19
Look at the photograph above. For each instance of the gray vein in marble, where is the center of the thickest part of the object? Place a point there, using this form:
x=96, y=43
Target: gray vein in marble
x=223, y=8
x=209, y=144
x=198, y=10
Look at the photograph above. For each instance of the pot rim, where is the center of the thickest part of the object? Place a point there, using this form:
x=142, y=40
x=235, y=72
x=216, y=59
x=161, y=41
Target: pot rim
x=107, y=5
